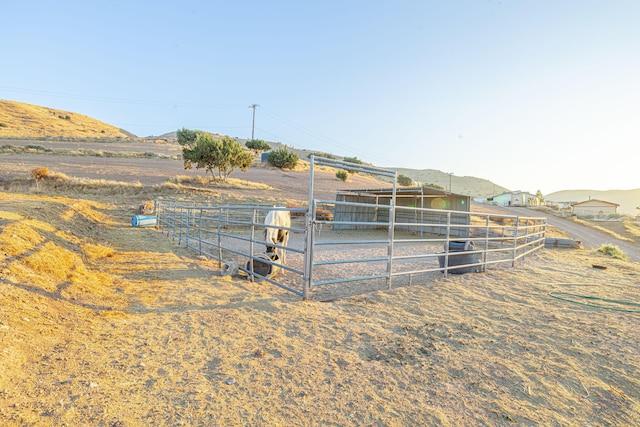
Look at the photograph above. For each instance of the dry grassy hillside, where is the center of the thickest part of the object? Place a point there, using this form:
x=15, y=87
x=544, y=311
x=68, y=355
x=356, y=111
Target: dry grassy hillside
x=19, y=120
x=469, y=185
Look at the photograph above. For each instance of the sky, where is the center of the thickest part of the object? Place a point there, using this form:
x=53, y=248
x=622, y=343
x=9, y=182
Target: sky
x=530, y=94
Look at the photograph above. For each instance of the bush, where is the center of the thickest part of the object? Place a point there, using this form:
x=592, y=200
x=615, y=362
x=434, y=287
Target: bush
x=613, y=251
x=40, y=173
x=436, y=186
x=404, y=181
x=283, y=158
x=257, y=145
x=43, y=174
x=352, y=160
x=342, y=175
x=320, y=154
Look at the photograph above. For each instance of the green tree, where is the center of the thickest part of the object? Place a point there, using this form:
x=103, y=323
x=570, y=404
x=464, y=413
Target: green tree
x=283, y=158
x=540, y=197
x=257, y=145
x=202, y=150
x=404, y=181
x=342, y=175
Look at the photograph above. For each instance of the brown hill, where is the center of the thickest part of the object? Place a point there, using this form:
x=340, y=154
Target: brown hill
x=19, y=120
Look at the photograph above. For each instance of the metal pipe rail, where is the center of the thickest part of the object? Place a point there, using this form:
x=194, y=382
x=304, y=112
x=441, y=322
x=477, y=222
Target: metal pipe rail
x=373, y=242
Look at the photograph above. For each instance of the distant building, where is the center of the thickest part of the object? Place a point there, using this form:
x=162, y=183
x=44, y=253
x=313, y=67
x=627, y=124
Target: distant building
x=595, y=208
x=515, y=198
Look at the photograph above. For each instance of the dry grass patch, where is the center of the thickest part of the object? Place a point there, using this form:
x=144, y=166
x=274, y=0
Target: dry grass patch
x=230, y=184
x=603, y=229
x=632, y=227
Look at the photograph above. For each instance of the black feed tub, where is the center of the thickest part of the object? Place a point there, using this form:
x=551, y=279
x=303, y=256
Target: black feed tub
x=458, y=257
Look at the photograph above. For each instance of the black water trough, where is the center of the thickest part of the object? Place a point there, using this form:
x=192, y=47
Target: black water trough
x=458, y=257
x=264, y=268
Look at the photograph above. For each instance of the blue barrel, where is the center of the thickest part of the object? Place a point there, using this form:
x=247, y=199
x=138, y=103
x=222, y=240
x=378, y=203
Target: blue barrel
x=142, y=220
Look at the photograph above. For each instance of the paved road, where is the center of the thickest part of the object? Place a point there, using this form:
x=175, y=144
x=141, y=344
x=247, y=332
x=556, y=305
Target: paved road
x=590, y=237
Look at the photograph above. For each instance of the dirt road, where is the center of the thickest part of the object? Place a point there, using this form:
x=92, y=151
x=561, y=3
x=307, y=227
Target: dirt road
x=591, y=238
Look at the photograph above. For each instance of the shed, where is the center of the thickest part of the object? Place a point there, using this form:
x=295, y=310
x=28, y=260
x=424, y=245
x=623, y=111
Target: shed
x=413, y=197
x=595, y=208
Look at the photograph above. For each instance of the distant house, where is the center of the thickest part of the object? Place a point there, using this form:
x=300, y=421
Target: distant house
x=595, y=208
x=515, y=198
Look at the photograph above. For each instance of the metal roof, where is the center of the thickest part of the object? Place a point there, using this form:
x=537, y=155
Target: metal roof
x=404, y=191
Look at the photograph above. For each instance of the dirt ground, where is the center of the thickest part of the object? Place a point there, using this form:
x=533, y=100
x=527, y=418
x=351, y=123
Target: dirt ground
x=107, y=325
x=103, y=324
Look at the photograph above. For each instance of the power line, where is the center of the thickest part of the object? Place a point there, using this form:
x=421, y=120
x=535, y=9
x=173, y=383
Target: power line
x=324, y=138
x=272, y=114
x=114, y=100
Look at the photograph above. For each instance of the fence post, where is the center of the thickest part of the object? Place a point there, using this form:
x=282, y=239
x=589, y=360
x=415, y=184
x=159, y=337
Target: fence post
x=486, y=244
x=219, y=237
x=200, y=231
x=515, y=241
x=392, y=229
x=187, y=228
x=307, y=277
x=447, y=239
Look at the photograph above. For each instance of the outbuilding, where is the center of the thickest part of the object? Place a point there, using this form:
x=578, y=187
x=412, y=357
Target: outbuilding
x=515, y=198
x=412, y=197
x=594, y=208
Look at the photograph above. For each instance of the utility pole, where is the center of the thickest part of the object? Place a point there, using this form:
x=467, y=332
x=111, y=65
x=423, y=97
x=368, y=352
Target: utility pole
x=450, y=173
x=253, y=123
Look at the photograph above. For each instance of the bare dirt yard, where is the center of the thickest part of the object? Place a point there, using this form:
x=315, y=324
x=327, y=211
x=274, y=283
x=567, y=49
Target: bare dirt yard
x=108, y=325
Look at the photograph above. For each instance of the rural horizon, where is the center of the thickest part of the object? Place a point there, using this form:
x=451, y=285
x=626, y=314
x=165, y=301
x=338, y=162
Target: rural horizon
x=628, y=200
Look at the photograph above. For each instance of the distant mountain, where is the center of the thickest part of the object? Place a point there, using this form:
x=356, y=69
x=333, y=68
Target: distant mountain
x=468, y=185
x=20, y=120
x=627, y=199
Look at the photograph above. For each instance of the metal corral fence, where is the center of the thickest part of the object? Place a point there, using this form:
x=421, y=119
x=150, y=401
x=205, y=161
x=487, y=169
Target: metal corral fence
x=328, y=258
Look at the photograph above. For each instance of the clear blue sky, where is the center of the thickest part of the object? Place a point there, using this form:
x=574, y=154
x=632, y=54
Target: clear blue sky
x=530, y=94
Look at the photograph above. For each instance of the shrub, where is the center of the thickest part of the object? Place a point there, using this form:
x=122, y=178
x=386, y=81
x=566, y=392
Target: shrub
x=283, y=159
x=352, y=160
x=257, y=145
x=342, y=175
x=404, y=181
x=325, y=155
x=39, y=174
x=436, y=186
x=43, y=174
x=613, y=251
x=146, y=208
